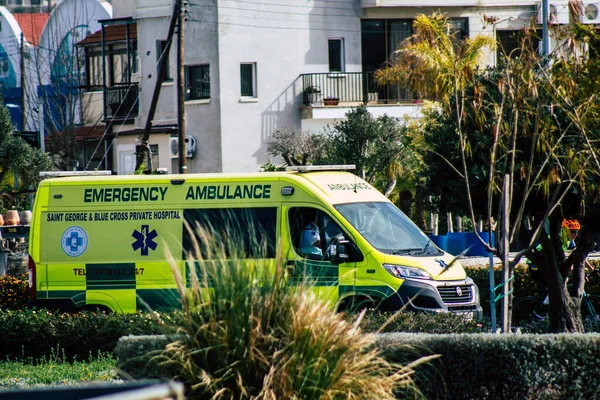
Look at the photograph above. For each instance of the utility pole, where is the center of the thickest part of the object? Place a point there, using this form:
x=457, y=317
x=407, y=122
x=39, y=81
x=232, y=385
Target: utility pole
x=181, y=89
x=162, y=66
x=545, y=39
x=23, y=116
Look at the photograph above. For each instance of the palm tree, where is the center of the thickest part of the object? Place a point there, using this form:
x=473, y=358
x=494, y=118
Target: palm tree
x=433, y=62
x=436, y=65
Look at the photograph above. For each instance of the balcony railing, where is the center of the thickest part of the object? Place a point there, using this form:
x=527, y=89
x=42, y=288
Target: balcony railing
x=122, y=101
x=351, y=87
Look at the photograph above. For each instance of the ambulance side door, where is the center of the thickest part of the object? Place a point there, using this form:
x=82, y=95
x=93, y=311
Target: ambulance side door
x=311, y=234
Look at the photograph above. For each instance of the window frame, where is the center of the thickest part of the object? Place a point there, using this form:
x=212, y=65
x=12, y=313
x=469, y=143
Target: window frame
x=189, y=86
x=341, y=57
x=458, y=34
x=254, y=94
x=160, y=47
x=296, y=224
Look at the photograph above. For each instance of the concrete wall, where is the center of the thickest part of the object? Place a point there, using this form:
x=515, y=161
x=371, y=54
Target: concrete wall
x=284, y=41
x=203, y=117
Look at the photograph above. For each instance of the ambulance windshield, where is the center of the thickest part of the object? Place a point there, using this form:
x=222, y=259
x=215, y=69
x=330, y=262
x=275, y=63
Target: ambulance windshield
x=387, y=229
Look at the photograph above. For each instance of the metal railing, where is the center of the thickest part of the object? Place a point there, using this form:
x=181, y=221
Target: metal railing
x=351, y=87
x=122, y=101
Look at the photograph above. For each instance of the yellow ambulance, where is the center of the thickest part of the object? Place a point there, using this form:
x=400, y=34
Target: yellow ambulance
x=102, y=241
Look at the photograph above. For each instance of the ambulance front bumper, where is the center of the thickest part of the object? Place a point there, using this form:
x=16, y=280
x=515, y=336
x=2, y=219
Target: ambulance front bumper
x=460, y=297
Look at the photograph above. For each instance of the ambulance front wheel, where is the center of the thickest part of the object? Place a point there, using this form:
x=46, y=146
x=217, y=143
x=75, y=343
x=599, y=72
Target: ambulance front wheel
x=94, y=308
x=356, y=304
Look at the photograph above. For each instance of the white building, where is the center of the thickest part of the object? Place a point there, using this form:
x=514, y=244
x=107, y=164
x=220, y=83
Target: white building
x=248, y=64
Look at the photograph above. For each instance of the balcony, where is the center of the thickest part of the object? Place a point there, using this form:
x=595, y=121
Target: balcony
x=121, y=101
x=445, y=3
x=327, y=97
x=341, y=88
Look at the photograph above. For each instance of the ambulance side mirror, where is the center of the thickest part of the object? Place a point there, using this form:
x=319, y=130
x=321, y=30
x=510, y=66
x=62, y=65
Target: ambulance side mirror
x=342, y=250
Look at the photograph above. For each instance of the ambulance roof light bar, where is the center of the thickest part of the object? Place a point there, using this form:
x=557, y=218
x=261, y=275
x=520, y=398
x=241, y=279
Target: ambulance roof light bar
x=311, y=168
x=62, y=174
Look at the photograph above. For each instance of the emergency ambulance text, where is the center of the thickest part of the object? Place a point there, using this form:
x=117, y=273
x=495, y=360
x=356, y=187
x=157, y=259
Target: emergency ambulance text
x=124, y=195
x=221, y=192
x=348, y=186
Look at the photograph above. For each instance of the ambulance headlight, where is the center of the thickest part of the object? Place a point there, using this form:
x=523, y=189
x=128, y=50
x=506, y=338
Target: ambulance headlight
x=403, y=272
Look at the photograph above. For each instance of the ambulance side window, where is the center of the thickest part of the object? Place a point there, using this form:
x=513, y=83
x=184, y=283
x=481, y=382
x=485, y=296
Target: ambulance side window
x=312, y=231
x=237, y=232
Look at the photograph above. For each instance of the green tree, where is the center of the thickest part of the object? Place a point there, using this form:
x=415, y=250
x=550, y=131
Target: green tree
x=296, y=147
x=526, y=132
x=437, y=65
x=433, y=62
x=377, y=146
x=19, y=157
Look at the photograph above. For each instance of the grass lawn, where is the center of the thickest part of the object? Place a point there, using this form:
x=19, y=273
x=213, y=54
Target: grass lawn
x=57, y=371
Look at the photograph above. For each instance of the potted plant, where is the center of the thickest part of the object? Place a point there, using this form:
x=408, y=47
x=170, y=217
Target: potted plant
x=331, y=101
x=312, y=95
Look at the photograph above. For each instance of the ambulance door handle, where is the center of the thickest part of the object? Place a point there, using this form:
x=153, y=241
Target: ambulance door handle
x=290, y=267
x=370, y=271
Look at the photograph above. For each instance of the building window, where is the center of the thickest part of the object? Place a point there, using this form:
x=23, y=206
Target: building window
x=161, y=46
x=197, y=82
x=134, y=60
x=459, y=29
x=248, y=79
x=93, y=69
x=336, y=55
x=511, y=41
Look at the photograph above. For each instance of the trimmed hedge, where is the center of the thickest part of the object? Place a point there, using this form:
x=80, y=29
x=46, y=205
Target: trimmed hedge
x=476, y=366
x=35, y=333
x=470, y=366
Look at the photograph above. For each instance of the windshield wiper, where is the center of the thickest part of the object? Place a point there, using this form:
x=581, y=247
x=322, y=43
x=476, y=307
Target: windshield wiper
x=406, y=251
x=428, y=244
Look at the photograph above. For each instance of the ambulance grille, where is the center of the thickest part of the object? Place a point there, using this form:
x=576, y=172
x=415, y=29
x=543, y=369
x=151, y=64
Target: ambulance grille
x=456, y=294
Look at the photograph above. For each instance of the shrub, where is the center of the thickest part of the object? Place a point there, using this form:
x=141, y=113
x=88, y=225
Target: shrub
x=256, y=334
x=14, y=291
x=492, y=366
x=36, y=333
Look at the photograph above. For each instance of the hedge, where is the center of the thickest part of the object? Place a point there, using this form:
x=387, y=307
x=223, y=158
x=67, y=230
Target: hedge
x=35, y=333
x=475, y=366
x=470, y=366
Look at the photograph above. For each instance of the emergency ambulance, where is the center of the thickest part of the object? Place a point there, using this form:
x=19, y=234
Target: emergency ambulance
x=102, y=241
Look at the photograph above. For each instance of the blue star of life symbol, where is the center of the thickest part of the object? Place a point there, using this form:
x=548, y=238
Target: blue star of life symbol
x=441, y=262
x=74, y=241
x=144, y=240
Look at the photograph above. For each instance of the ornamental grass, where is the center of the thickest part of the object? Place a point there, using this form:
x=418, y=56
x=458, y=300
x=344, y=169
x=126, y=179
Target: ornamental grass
x=250, y=333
